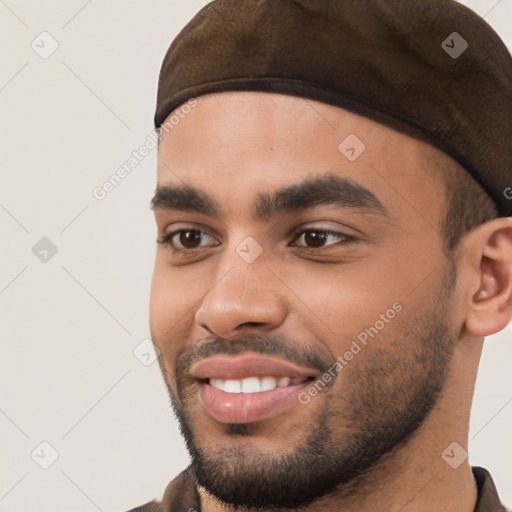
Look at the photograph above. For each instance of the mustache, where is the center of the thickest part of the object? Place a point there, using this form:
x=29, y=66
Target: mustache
x=278, y=346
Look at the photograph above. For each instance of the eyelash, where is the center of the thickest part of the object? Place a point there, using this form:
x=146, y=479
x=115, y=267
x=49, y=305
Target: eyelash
x=166, y=239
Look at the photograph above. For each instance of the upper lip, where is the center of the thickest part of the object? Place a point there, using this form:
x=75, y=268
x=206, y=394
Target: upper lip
x=247, y=365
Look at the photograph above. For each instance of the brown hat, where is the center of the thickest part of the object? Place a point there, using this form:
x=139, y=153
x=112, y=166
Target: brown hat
x=432, y=69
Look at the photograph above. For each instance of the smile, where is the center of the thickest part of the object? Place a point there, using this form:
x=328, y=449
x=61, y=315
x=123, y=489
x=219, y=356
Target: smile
x=254, y=384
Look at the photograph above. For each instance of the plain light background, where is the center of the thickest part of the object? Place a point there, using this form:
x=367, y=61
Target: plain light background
x=70, y=324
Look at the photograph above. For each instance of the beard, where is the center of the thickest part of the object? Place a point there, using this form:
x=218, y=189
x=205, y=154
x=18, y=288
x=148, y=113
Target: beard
x=386, y=394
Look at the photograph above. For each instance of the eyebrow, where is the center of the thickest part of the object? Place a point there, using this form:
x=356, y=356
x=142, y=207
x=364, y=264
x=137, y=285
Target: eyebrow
x=328, y=189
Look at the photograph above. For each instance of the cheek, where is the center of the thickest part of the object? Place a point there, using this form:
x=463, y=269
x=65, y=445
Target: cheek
x=165, y=311
x=175, y=296
x=363, y=297
x=338, y=302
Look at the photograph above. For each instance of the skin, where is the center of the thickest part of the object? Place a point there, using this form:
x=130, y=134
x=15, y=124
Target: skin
x=236, y=145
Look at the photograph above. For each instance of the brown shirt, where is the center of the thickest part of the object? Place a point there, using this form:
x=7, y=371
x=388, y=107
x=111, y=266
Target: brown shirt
x=181, y=495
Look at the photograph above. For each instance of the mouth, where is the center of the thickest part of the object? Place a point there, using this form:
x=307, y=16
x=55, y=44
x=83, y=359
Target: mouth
x=249, y=388
x=254, y=384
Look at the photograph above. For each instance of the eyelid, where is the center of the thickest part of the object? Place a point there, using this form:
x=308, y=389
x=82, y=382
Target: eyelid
x=299, y=232
x=165, y=238
x=188, y=226
x=172, y=235
x=329, y=226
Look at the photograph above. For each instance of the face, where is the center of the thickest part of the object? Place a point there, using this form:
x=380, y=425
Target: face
x=301, y=298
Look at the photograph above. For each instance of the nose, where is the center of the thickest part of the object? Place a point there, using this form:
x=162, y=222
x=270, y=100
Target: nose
x=244, y=297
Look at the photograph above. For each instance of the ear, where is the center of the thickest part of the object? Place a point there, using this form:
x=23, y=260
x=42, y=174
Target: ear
x=489, y=298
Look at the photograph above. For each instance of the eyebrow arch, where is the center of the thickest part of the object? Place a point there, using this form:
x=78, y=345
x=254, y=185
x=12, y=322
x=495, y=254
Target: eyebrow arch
x=327, y=189
x=187, y=198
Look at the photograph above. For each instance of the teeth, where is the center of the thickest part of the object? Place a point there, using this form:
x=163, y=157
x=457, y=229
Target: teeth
x=217, y=383
x=232, y=386
x=254, y=384
x=251, y=385
x=268, y=383
x=283, y=381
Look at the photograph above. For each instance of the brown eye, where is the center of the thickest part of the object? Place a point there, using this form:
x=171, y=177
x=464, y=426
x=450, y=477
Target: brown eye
x=314, y=238
x=187, y=240
x=318, y=238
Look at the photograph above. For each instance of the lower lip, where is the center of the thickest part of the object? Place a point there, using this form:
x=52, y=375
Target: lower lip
x=248, y=407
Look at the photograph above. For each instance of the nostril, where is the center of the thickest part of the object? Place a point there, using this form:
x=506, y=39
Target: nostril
x=250, y=324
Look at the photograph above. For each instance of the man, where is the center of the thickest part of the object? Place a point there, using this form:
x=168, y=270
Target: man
x=334, y=243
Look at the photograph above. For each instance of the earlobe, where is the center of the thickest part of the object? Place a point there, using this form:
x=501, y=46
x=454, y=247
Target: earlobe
x=490, y=308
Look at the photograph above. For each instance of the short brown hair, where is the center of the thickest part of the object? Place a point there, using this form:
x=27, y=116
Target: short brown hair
x=468, y=205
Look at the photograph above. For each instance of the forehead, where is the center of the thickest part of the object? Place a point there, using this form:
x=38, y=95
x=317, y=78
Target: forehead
x=251, y=142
